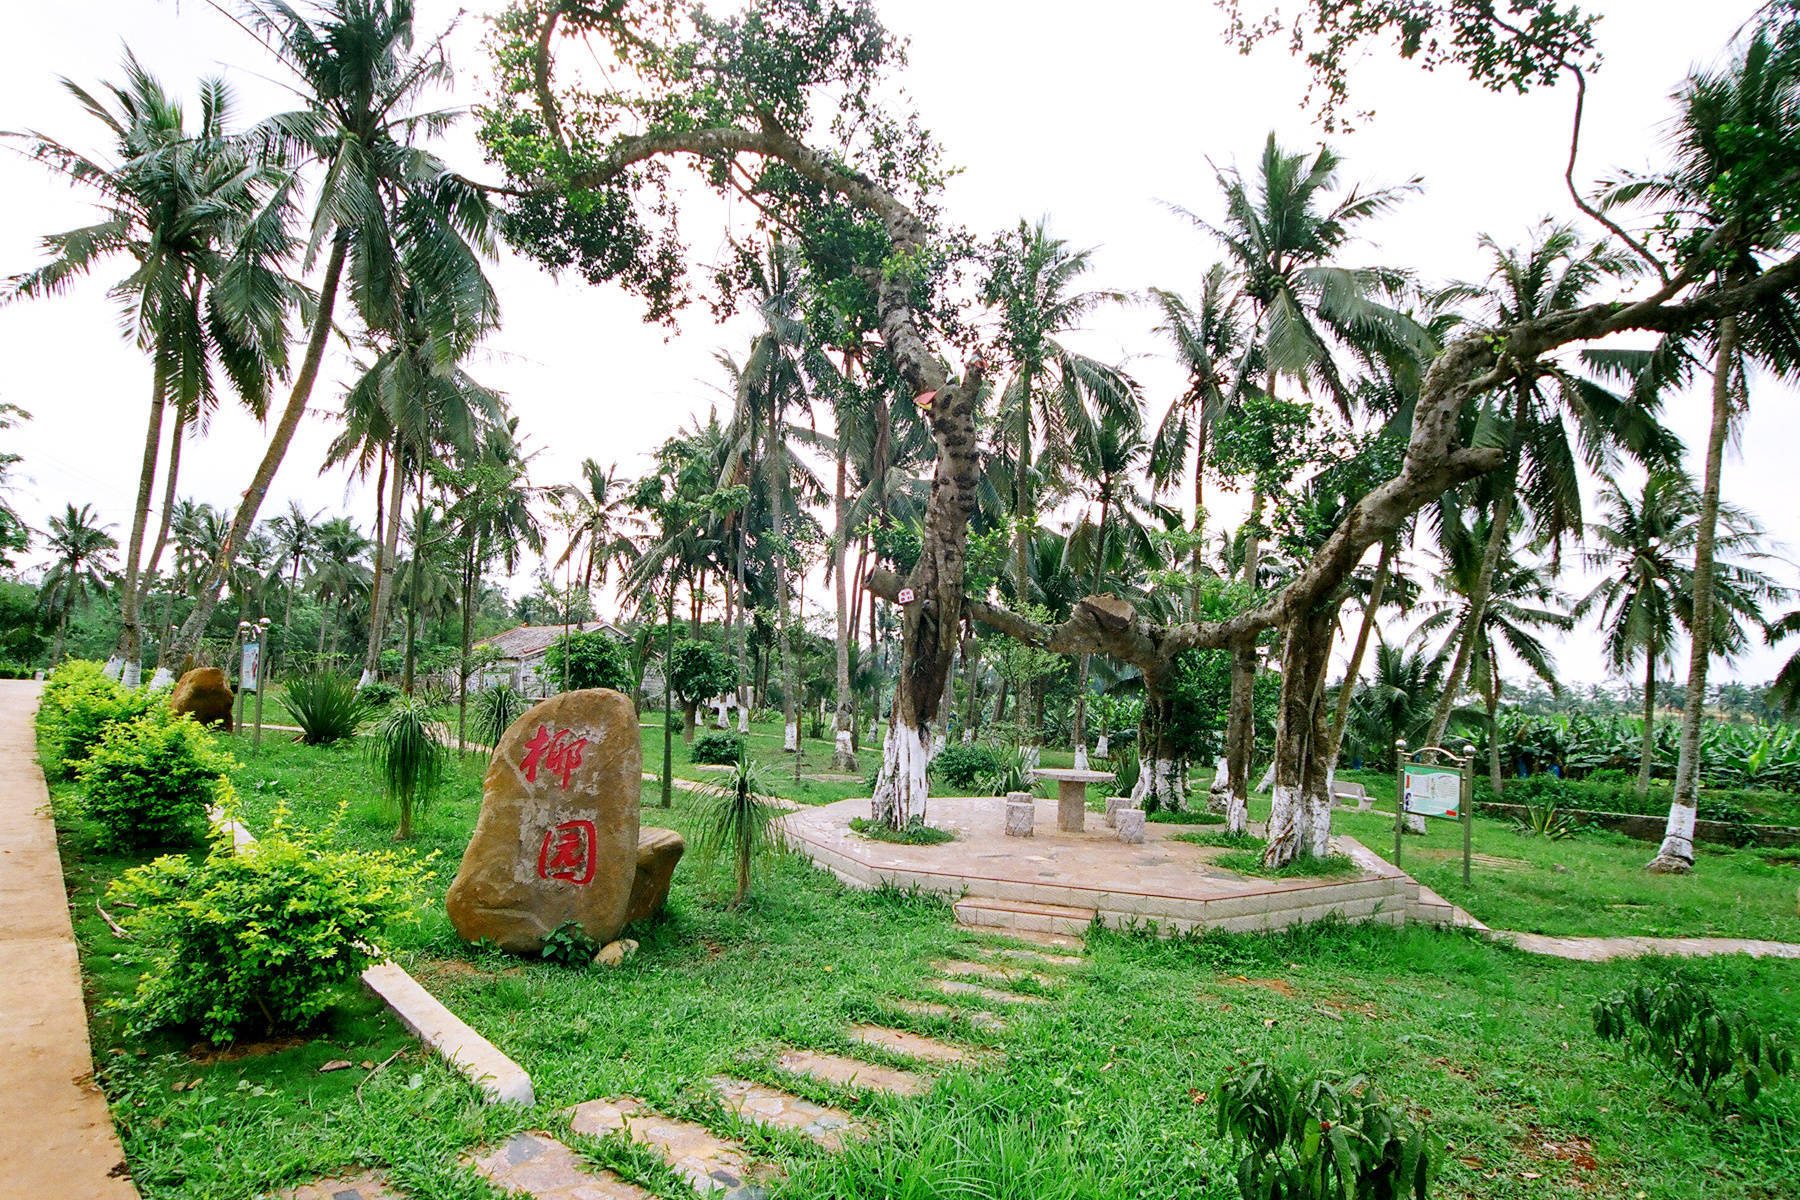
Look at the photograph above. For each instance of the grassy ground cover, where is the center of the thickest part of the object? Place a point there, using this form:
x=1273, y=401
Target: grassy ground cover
x=1101, y=1093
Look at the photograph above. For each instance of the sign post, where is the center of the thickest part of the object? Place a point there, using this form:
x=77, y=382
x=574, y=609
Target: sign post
x=262, y=624
x=1437, y=789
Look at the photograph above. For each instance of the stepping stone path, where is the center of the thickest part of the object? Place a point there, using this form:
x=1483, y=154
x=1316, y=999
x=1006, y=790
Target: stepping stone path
x=366, y=1185
x=537, y=1165
x=913, y=1045
x=979, y=1018
x=850, y=1073
x=993, y=973
x=961, y=987
x=773, y=1108
x=709, y=1163
x=1035, y=956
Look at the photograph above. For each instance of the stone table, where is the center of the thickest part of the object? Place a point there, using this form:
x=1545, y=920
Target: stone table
x=1071, y=794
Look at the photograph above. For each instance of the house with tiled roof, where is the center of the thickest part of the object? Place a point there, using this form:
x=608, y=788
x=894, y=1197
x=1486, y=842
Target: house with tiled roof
x=516, y=657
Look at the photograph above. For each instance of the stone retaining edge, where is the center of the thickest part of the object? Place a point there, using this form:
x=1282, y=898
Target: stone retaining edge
x=499, y=1078
x=1646, y=828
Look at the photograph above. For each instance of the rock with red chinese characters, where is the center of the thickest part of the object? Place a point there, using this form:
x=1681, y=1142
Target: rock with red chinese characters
x=557, y=838
x=204, y=693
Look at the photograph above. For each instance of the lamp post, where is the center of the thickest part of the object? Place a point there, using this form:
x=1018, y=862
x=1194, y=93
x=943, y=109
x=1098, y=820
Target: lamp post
x=243, y=637
x=1466, y=804
x=1399, y=794
x=262, y=659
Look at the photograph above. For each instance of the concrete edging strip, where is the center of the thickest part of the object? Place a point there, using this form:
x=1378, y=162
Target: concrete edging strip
x=501, y=1080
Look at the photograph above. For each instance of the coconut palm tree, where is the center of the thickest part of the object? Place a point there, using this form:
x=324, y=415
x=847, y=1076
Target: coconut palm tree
x=1724, y=200
x=338, y=573
x=184, y=209
x=1052, y=393
x=1643, y=545
x=296, y=537
x=600, y=524
x=408, y=232
x=1516, y=603
x=80, y=570
x=1547, y=421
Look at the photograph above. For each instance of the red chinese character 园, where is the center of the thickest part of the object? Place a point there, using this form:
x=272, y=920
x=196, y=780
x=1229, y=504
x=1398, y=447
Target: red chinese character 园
x=561, y=759
x=568, y=853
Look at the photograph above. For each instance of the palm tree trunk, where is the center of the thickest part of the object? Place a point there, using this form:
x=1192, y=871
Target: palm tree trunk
x=181, y=646
x=324, y=620
x=128, y=657
x=1197, y=565
x=1353, y=672
x=843, y=753
x=1676, y=855
x=668, y=766
x=1495, y=779
x=777, y=522
x=1647, y=755
x=468, y=625
x=1240, y=734
x=743, y=628
x=386, y=563
x=1093, y=587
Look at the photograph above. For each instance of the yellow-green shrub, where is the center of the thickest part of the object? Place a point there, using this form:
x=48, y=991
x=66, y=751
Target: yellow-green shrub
x=79, y=704
x=151, y=779
x=259, y=940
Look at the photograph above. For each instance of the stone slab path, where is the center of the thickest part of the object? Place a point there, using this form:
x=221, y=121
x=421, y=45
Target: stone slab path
x=773, y=1108
x=365, y=1185
x=979, y=1018
x=851, y=1074
x=537, y=1165
x=992, y=972
x=913, y=1045
x=962, y=987
x=710, y=1164
x=56, y=1135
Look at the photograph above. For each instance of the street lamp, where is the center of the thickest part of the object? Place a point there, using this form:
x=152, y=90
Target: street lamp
x=243, y=637
x=262, y=658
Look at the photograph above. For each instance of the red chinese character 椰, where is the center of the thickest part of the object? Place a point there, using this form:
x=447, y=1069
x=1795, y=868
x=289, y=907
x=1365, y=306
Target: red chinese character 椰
x=568, y=853
x=561, y=759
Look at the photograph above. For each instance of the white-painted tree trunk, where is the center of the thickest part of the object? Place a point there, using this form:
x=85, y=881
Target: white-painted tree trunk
x=743, y=719
x=367, y=677
x=843, y=751
x=1289, y=822
x=902, y=788
x=1237, y=813
x=162, y=679
x=724, y=716
x=1318, y=813
x=1157, y=781
x=1081, y=758
x=1268, y=779
x=1101, y=748
x=114, y=666
x=968, y=736
x=790, y=741
x=1678, y=835
x=133, y=674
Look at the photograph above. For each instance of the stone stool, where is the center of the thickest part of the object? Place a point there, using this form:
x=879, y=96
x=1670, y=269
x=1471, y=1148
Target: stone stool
x=1113, y=805
x=1131, y=825
x=1021, y=814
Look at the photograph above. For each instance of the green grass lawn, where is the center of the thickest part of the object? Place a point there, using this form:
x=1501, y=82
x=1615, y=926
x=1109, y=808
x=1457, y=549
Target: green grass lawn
x=1101, y=1093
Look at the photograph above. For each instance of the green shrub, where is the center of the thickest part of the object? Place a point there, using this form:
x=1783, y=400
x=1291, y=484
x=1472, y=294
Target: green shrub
x=1125, y=767
x=569, y=945
x=410, y=757
x=328, y=708
x=1011, y=773
x=496, y=709
x=716, y=747
x=916, y=833
x=259, y=940
x=377, y=694
x=595, y=659
x=151, y=779
x=1319, y=1136
x=961, y=765
x=1680, y=1030
x=79, y=705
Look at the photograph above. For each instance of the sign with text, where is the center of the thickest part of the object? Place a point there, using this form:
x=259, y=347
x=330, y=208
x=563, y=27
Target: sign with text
x=1432, y=791
x=250, y=667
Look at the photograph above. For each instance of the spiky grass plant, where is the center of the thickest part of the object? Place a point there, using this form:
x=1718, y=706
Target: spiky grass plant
x=410, y=757
x=736, y=818
x=496, y=708
x=326, y=707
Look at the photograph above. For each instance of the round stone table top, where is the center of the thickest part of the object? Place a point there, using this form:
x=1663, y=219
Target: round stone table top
x=1070, y=775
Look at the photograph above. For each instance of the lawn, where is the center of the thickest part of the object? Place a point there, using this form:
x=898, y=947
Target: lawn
x=1100, y=1093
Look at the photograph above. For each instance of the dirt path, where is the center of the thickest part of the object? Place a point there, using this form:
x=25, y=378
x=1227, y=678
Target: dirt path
x=56, y=1136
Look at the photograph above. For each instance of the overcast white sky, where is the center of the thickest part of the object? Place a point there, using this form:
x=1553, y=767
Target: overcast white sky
x=1094, y=117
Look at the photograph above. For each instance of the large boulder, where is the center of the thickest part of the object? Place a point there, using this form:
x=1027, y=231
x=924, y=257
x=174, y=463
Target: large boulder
x=657, y=853
x=557, y=838
x=205, y=694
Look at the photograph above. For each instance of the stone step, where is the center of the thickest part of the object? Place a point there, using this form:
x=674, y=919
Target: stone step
x=364, y=1185
x=537, y=1165
x=1023, y=916
x=711, y=1164
x=851, y=1073
x=913, y=1045
x=979, y=1018
x=962, y=987
x=1028, y=938
x=992, y=972
x=1031, y=956
x=772, y=1108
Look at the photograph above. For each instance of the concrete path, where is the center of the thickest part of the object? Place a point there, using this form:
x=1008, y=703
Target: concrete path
x=1604, y=949
x=56, y=1136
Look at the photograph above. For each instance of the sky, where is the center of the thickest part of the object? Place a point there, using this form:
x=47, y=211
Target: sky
x=1098, y=125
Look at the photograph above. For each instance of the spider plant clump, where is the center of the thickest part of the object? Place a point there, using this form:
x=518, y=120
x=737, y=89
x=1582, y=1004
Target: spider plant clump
x=410, y=757
x=496, y=708
x=327, y=708
x=736, y=818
